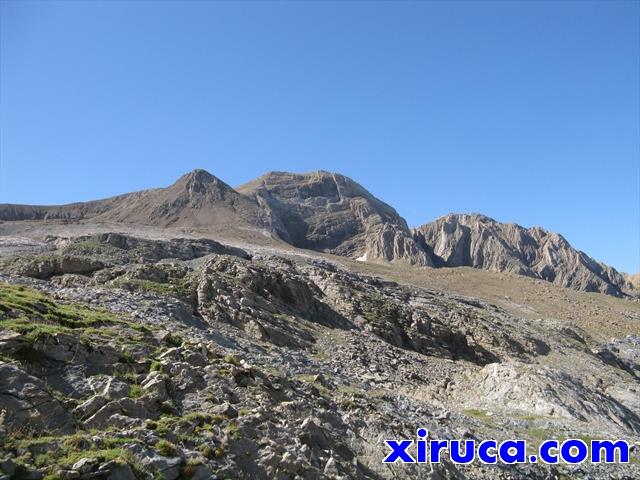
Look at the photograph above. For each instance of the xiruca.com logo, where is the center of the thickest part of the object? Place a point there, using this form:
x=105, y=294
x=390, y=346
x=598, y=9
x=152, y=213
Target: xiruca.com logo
x=570, y=451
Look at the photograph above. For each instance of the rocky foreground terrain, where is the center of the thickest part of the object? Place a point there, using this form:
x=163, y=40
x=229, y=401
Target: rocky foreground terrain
x=286, y=328
x=126, y=356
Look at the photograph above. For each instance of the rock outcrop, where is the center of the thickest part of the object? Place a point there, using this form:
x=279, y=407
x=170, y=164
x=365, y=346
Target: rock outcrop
x=478, y=241
x=329, y=212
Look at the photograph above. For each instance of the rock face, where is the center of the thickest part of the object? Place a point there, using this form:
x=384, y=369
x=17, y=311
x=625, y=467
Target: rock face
x=26, y=402
x=329, y=212
x=477, y=241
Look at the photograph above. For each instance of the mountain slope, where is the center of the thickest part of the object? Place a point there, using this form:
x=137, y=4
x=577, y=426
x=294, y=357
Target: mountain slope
x=478, y=241
x=197, y=199
x=332, y=213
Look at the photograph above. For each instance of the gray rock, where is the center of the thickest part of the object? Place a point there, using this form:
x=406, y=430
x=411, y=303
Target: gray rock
x=113, y=412
x=226, y=409
x=121, y=472
x=477, y=241
x=156, y=386
x=8, y=466
x=202, y=472
x=11, y=342
x=86, y=465
x=68, y=474
x=27, y=402
x=168, y=467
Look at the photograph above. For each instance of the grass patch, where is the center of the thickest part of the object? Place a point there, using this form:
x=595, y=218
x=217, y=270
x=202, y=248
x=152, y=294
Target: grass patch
x=175, y=288
x=231, y=359
x=157, y=366
x=197, y=418
x=136, y=391
x=477, y=414
x=233, y=431
x=36, y=316
x=63, y=452
x=31, y=313
x=166, y=448
x=85, y=247
x=310, y=379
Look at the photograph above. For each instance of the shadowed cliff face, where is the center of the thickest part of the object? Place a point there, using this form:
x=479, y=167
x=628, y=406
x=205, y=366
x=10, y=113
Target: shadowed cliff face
x=481, y=242
x=331, y=213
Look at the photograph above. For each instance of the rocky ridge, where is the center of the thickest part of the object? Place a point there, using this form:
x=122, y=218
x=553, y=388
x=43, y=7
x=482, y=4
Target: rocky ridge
x=331, y=213
x=474, y=240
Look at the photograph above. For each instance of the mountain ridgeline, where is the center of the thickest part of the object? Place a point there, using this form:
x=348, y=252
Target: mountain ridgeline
x=331, y=213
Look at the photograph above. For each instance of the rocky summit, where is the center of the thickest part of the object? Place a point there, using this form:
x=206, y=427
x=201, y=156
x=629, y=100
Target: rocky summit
x=284, y=329
x=332, y=213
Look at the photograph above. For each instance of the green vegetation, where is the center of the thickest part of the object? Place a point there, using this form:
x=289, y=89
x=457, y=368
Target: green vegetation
x=31, y=313
x=197, y=418
x=136, y=391
x=84, y=247
x=166, y=448
x=311, y=379
x=157, y=366
x=373, y=306
x=179, y=288
x=189, y=468
x=206, y=450
x=174, y=340
x=63, y=452
x=233, y=431
x=477, y=414
x=231, y=359
x=129, y=377
x=30, y=302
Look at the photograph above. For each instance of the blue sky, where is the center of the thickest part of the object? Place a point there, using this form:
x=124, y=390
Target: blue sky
x=525, y=111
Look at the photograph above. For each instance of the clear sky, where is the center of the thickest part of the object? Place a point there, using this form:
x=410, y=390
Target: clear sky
x=524, y=111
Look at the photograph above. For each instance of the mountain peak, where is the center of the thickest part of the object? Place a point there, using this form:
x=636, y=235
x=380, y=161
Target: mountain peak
x=200, y=181
x=198, y=175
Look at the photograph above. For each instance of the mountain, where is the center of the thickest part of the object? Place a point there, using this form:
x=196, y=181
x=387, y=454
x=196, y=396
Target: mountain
x=329, y=212
x=474, y=240
x=130, y=349
x=197, y=199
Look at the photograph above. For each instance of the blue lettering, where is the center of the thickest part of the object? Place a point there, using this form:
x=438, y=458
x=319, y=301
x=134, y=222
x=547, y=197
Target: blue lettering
x=457, y=456
x=399, y=451
x=506, y=454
